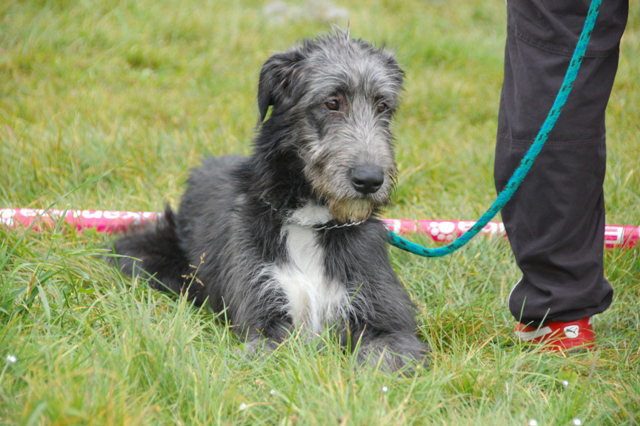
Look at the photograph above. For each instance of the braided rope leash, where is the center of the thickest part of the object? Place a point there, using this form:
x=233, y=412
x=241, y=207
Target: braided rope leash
x=522, y=170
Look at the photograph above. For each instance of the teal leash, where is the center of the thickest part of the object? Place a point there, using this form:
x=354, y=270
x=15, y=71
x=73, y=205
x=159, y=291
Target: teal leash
x=522, y=170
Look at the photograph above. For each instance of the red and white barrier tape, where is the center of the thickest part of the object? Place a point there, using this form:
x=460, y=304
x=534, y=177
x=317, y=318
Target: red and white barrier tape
x=626, y=236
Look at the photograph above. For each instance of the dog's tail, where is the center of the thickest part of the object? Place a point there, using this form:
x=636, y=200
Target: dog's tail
x=153, y=251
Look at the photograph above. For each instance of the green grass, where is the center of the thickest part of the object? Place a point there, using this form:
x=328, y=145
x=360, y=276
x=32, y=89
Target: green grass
x=138, y=91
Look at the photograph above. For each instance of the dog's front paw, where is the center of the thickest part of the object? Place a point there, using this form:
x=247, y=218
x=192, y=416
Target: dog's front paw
x=257, y=348
x=395, y=352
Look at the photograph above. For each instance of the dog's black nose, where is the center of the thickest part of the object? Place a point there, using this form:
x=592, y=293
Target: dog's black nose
x=367, y=179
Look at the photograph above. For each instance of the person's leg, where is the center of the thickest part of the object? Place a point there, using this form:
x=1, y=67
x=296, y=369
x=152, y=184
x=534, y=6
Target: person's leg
x=555, y=221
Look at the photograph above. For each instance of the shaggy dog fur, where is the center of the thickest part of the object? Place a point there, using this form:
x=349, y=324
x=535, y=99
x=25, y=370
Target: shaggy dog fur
x=287, y=238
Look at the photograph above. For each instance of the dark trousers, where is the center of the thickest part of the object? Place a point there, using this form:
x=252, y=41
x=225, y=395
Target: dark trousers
x=555, y=221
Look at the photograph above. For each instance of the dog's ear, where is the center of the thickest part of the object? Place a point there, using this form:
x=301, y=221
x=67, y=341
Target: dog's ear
x=398, y=73
x=278, y=80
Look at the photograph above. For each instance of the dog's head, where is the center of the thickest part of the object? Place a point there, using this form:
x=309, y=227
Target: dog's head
x=332, y=101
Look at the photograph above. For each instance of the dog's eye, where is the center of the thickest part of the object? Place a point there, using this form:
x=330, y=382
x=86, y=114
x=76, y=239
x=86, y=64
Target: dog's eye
x=382, y=107
x=333, y=105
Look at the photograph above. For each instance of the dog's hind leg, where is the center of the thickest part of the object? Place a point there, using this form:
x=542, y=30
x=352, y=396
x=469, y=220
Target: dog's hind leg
x=154, y=252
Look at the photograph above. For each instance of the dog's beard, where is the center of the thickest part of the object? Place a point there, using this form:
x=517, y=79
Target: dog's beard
x=343, y=202
x=350, y=210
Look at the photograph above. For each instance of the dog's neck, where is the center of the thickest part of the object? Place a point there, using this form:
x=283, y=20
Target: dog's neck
x=276, y=176
x=276, y=179
x=312, y=215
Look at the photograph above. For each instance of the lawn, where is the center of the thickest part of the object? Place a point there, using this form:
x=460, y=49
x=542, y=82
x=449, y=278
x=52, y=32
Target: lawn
x=108, y=104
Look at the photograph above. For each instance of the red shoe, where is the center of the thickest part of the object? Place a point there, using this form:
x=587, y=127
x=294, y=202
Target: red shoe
x=559, y=335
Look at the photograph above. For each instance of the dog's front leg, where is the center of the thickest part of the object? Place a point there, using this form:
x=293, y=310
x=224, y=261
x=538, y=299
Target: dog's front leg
x=392, y=350
x=265, y=335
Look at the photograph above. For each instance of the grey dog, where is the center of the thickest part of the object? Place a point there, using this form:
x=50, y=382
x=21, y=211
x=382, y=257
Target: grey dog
x=287, y=238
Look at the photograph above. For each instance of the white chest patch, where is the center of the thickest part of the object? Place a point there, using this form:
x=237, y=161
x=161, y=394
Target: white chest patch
x=313, y=300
